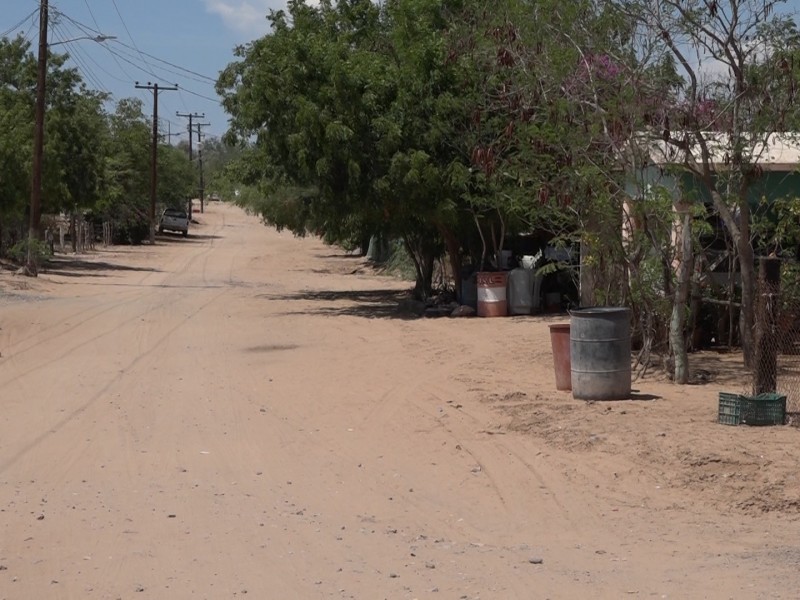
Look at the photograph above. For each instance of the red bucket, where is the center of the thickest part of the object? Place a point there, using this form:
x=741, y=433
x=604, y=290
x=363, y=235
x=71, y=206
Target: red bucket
x=559, y=339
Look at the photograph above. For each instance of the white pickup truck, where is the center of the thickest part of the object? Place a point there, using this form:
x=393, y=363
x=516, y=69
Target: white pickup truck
x=174, y=219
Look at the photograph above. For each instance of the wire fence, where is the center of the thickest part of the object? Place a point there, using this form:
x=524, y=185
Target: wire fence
x=788, y=363
x=777, y=335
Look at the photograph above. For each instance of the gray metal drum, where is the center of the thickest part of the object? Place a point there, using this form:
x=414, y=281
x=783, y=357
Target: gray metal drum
x=600, y=353
x=520, y=291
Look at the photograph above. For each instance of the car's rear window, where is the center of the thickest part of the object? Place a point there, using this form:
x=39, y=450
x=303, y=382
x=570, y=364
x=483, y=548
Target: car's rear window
x=171, y=212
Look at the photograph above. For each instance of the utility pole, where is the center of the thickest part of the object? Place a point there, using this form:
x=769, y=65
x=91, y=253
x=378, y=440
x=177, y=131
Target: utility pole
x=154, y=160
x=38, y=141
x=200, y=160
x=190, y=116
x=169, y=135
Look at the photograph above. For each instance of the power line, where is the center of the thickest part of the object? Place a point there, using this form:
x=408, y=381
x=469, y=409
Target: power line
x=76, y=56
x=134, y=65
x=128, y=59
x=91, y=14
x=166, y=62
x=87, y=29
x=188, y=91
x=119, y=14
x=104, y=70
x=121, y=68
x=20, y=24
x=141, y=53
x=122, y=55
x=29, y=34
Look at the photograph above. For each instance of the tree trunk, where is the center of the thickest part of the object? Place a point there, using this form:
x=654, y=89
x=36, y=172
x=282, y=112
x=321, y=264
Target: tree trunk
x=586, y=276
x=740, y=233
x=454, y=256
x=677, y=325
x=73, y=232
x=424, y=259
x=765, y=361
x=747, y=269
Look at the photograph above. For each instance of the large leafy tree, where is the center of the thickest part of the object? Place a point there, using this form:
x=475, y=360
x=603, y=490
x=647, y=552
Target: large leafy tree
x=127, y=163
x=18, y=74
x=74, y=157
x=74, y=128
x=126, y=184
x=309, y=94
x=737, y=92
x=354, y=109
x=92, y=161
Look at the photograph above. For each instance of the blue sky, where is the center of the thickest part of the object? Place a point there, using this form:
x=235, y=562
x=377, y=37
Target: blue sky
x=196, y=35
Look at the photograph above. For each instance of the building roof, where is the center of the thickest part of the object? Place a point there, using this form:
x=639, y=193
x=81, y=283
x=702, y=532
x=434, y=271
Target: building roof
x=778, y=152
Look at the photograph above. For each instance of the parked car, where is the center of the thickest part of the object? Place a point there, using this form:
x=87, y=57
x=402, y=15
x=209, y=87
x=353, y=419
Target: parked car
x=173, y=219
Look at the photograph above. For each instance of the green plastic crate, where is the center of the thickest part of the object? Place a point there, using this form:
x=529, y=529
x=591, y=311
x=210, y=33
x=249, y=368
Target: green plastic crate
x=730, y=408
x=763, y=409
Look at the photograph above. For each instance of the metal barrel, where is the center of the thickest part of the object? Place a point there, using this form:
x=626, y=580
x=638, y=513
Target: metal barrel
x=492, y=300
x=520, y=291
x=600, y=353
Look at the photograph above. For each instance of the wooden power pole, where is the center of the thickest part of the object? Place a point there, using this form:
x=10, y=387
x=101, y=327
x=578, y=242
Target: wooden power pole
x=155, y=88
x=190, y=116
x=200, y=161
x=38, y=141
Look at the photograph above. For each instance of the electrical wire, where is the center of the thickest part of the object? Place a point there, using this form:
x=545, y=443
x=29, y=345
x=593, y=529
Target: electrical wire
x=119, y=51
x=166, y=62
x=28, y=37
x=121, y=68
x=77, y=56
x=20, y=24
x=164, y=69
x=130, y=60
x=214, y=100
x=107, y=72
x=199, y=77
x=119, y=14
x=103, y=69
x=183, y=101
x=87, y=30
x=91, y=14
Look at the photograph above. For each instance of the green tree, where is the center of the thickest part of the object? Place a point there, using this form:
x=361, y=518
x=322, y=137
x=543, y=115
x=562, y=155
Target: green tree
x=126, y=186
x=726, y=115
x=18, y=74
x=72, y=169
x=341, y=98
x=176, y=177
x=127, y=163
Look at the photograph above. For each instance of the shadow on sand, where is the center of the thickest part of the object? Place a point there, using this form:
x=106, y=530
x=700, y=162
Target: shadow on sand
x=72, y=267
x=368, y=304
x=179, y=238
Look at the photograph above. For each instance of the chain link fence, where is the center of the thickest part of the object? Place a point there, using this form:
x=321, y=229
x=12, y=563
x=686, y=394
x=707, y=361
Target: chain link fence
x=777, y=334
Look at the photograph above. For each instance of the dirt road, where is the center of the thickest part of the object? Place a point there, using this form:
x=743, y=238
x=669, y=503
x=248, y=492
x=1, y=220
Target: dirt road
x=245, y=414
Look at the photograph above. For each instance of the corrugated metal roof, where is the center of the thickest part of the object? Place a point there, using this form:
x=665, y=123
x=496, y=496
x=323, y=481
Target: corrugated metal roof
x=779, y=152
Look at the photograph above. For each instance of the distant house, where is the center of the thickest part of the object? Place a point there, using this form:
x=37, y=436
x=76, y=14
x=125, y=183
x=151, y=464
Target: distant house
x=656, y=162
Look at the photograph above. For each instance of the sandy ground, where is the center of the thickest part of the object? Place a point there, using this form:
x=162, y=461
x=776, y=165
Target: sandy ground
x=246, y=414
